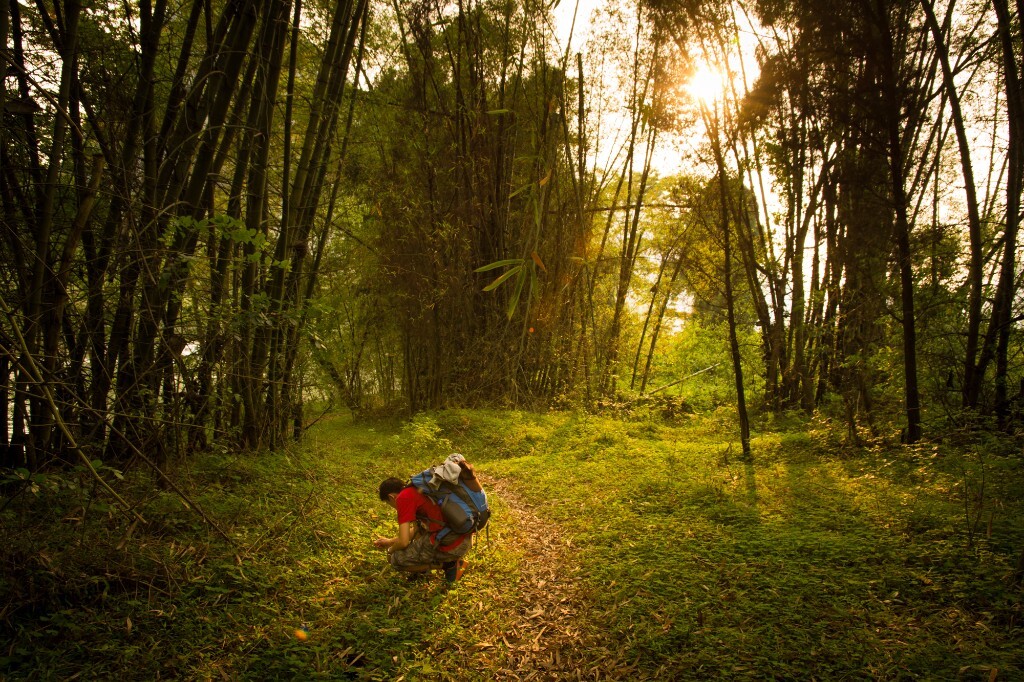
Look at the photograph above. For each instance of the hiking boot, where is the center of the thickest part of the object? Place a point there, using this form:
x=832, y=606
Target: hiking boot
x=453, y=570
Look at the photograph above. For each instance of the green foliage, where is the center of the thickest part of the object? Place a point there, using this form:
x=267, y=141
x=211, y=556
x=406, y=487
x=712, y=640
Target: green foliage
x=423, y=433
x=519, y=270
x=703, y=344
x=352, y=331
x=813, y=562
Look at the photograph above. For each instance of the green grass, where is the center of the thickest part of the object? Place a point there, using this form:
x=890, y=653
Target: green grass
x=814, y=562
x=807, y=564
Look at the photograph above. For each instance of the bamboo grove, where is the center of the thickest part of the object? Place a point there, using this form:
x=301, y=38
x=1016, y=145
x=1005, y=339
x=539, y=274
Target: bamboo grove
x=139, y=187
x=217, y=211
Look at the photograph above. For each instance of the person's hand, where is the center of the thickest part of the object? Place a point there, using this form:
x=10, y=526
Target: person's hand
x=382, y=543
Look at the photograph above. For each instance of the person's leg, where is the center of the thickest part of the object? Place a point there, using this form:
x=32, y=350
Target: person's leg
x=416, y=558
x=453, y=569
x=452, y=562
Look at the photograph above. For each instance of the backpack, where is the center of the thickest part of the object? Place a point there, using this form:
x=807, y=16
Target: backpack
x=464, y=510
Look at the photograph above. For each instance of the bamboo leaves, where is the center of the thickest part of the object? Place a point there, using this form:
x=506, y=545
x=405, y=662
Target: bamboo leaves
x=523, y=270
x=517, y=264
x=520, y=268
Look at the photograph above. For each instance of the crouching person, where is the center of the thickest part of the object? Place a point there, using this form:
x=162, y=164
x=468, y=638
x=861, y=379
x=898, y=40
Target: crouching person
x=415, y=550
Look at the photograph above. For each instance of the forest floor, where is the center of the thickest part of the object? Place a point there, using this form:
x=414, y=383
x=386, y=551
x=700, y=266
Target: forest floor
x=621, y=547
x=554, y=630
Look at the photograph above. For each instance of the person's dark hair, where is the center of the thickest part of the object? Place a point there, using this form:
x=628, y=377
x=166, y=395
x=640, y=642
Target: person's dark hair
x=390, y=485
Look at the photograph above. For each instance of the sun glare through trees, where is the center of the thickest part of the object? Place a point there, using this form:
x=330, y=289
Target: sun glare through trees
x=706, y=84
x=770, y=247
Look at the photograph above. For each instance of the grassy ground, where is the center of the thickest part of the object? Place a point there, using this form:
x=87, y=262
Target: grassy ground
x=809, y=563
x=814, y=562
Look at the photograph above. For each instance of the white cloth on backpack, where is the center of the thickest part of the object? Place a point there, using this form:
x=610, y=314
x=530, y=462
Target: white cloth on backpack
x=449, y=471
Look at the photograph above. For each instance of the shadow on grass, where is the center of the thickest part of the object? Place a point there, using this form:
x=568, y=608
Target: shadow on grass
x=372, y=626
x=801, y=564
x=750, y=482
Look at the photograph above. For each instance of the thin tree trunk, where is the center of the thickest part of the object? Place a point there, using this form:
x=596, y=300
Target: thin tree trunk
x=270, y=55
x=99, y=245
x=5, y=29
x=6, y=460
x=712, y=125
x=647, y=321
x=631, y=237
x=657, y=324
x=1002, y=307
x=44, y=325
x=996, y=340
x=972, y=381
x=631, y=234
x=901, y=228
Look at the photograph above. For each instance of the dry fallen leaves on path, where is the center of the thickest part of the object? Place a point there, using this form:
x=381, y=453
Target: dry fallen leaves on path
x=551, y=631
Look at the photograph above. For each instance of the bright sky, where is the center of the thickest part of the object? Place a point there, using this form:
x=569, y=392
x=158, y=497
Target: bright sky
x=668, y=157
x=675, y=150
x=563, y=15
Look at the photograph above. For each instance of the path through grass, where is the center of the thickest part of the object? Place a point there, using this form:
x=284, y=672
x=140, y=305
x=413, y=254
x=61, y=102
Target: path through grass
x=631, y=549
x=550, y=629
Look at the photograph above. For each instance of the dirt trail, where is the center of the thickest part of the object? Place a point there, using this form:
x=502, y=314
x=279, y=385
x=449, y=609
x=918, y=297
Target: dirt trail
x=552, y=632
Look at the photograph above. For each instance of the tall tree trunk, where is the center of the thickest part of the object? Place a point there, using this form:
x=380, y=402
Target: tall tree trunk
x=43, y=325
x=631, y=235
x=5, y=29
x=270, y=56
x=971, y=381
x=628, y=252
x=263, y=395
x=892, y=114
x=865, y=209
x=1002, y=307
x=98, y=245
x=711, y=122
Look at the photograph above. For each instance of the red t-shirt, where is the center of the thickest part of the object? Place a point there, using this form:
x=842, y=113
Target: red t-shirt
x=413, y=504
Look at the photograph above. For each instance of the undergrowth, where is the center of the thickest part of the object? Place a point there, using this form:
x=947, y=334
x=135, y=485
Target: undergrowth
x=811, y=562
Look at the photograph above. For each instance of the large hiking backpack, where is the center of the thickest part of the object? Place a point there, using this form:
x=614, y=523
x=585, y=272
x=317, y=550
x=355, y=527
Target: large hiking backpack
x=464, y=510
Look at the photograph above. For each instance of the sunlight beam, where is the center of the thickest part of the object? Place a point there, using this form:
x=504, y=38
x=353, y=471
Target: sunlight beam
x=706, y=84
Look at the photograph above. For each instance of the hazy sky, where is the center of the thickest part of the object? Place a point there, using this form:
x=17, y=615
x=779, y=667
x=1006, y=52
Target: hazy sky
x=563, y=20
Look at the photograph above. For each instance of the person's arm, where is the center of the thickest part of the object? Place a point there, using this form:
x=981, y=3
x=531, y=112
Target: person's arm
x=405, y=535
